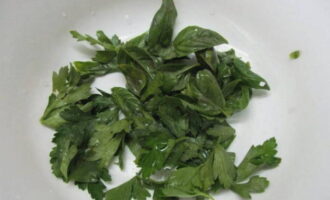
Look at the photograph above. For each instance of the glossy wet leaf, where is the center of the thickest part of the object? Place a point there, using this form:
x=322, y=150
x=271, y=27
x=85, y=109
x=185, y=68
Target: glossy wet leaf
x=161, y=30
x=193, y=39
x=135, y=77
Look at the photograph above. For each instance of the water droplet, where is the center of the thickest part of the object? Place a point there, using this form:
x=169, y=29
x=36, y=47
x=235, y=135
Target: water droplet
x=262, y=84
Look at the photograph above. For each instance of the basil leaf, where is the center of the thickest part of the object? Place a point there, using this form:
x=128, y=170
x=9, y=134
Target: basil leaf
x=206, y=92
x=161, y=30
x=209, y=58
x=251, y=79
x=193, y=39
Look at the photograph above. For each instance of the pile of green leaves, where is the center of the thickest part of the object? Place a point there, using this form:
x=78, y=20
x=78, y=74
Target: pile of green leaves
x=179, y=93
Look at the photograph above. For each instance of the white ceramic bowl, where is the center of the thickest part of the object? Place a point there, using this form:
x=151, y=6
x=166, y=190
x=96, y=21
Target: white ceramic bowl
x=34, y=41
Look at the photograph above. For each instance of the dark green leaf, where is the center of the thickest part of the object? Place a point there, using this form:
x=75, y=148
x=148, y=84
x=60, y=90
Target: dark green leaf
x=106, y=141
x=67, y=140
x=108, y=116
x=85, y=171
x=121, y=154
x=205, y=90
x=96, y=190
x=171, y=77
x=67, y=90
x=61, y=157
x=229, y=88
x=126, y=101
x=154, y=160
x=193, y=39
x=131, y=107
x=161, y=30
x=208, y=57
x=135, y=77
x=190, y=151
x=251, y=79
x=74, y=114
x=104, y=57
x=139, y=56
x=239, y=100
x=174, y=118
x=138, y=41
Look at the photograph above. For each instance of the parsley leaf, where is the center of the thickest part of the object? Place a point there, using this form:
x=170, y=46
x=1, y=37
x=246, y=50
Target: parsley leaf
x=67, y=143
x=154, y=160
x=96, y=190
x=106, y=141
x=224, y=134
x=256, y=184
x=223, y=167
x=132, y=189
x=102, y=40
x=184, y=183
x=258, y=157
x=68, y=89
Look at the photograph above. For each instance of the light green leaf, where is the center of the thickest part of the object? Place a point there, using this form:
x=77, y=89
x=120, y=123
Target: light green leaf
x=106, y=141
x=132, y=189
x=258, y=157
x=224, y=133
x=223, y=167
x=256, y=184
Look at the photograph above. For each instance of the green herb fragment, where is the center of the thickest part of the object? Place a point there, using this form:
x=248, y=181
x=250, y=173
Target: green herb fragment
x=172, y=115
x=295, y=55
x=258, y=157
x=133, y=189
x=256, y=184
x=161, y=30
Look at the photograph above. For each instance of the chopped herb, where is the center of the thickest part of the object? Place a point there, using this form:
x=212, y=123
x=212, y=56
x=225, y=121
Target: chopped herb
x=179, y=92
x=295, y=54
